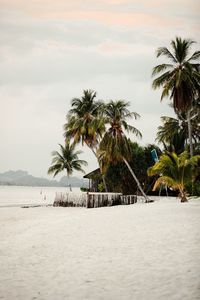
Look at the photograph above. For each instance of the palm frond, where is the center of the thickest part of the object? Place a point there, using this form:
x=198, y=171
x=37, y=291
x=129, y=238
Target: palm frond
x=162, y=80
x=132, y=129
x=181, y=81
x=163, y=180
x=165, y=52
x=67, y=160
x=57, y=168
x=195, y=56
x=160, y=68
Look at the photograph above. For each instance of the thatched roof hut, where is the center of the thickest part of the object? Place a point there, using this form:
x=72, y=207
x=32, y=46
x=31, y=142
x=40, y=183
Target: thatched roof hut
x=94, y=179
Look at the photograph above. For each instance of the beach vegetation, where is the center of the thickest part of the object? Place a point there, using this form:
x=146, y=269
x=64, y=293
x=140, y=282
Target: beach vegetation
x=118, y=175
x=85, y=123
x=67, y=159
x=176, y=171
x=173, y=133
x=106, y=128
x=180, y=78
x=115, y=146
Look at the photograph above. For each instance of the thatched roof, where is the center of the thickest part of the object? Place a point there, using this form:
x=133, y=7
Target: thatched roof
x=93, y=174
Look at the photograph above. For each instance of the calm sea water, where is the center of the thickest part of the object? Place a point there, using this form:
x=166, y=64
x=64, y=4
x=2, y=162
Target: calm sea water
x=22, y=195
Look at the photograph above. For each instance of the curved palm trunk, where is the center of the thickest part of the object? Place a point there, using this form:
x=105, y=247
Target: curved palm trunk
x=183, y=196
x=102, y=175
x=190, y=132
x=104, y=181
x=136, y=180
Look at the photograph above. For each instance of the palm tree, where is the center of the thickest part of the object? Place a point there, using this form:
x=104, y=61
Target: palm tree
x=115, y=146
x=175, y=171
x=85, y=122
x=67, y=160
x=180, y=79
x=173, y=132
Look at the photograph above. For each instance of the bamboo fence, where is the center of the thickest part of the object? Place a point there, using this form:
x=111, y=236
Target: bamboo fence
x=93, y=200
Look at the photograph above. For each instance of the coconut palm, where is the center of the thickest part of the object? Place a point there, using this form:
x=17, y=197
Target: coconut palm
x=179, y=79
x=85, y=122
x=67, y=160
x=115, y=146
x=175, y=171
x=173, y=132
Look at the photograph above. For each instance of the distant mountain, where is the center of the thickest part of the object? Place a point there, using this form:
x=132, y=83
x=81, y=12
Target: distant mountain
x=12, y=175
x=20, y=177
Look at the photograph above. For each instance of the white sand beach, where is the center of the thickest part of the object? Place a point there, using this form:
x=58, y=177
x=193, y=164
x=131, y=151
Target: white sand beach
x=141, y=251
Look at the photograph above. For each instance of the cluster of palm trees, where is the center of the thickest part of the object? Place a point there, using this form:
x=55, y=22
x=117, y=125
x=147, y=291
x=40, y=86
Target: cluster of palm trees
x=103, y=126
x=180, y=81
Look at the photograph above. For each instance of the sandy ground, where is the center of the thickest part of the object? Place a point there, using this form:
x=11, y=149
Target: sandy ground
x=142, y=251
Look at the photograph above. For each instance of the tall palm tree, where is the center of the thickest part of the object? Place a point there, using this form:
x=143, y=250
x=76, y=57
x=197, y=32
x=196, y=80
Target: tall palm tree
x=179, y=79
x=67, y=160
x=85, y=122
x=115, y=146
x=175, y=171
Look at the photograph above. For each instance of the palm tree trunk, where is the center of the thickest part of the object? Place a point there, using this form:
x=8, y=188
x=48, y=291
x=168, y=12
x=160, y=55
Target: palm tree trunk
x=102, y=175
x=69, y=185
x=183, y=196
x=104, y=181
x=190, y=132
x=136, y=180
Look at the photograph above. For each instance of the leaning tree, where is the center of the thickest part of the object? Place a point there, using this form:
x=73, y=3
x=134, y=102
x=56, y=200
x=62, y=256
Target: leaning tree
x=115, y=146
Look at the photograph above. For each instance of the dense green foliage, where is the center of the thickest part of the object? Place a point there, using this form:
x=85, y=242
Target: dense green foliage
x=118, y=176
x=176, y=171
x=173, y=133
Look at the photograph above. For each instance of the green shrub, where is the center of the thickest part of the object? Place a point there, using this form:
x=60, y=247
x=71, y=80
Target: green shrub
x=84, y=189
x=101, y=187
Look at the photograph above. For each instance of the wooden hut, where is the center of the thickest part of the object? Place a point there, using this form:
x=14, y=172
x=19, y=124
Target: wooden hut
x=94, y=179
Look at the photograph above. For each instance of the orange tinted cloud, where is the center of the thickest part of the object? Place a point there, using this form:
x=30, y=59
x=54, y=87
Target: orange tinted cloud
x=128, y=13
x=52, y=5
x=110, y=18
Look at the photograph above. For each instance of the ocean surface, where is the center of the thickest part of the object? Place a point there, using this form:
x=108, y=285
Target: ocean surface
x=25, y=195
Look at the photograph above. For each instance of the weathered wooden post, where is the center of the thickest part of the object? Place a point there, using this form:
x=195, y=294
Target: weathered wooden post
x=87, y=200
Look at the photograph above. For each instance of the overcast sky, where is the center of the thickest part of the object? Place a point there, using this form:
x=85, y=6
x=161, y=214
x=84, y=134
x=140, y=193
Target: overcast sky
x=52, y=50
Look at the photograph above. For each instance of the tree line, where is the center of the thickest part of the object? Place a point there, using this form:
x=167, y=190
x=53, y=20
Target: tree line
x=103, y=128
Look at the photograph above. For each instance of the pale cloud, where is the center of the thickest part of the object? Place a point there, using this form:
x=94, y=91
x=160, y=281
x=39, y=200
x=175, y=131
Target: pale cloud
x=50, y=51
x=50, y=5
x=110, y=12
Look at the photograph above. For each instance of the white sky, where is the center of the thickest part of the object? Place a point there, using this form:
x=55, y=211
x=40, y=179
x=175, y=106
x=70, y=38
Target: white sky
x=51, y=50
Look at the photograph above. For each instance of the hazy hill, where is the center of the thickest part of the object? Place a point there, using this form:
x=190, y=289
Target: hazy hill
x=20, y=177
